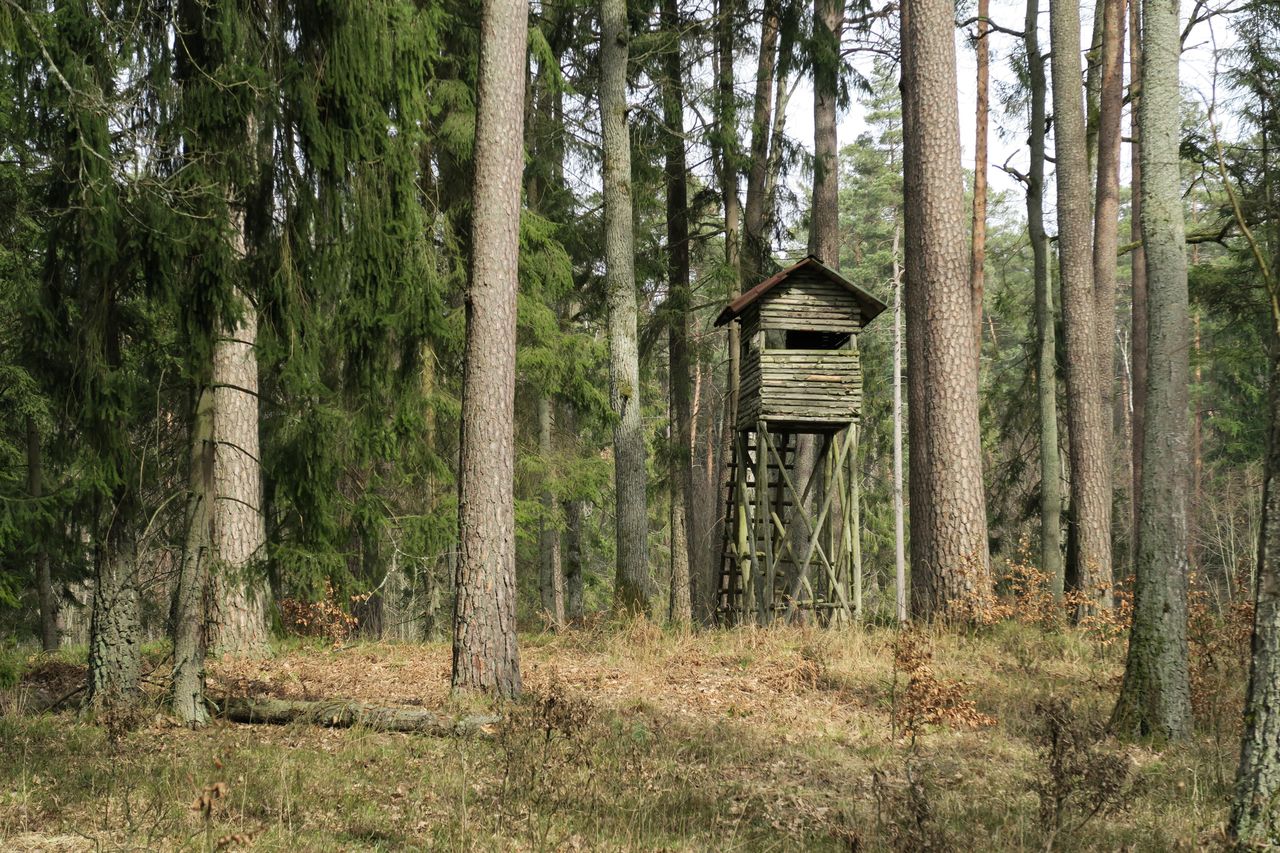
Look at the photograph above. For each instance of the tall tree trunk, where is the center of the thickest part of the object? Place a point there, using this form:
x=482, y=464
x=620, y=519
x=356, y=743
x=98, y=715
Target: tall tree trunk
x=949, y=559
x=978, y=258
x=633, y=588
x=49, y=634
x=756, y=251
x=115, y=629
x=1046, y=343
x=486, y=656
x=238, y=617
x=1253, y=816
x=550, y=579
x=684, y=552
x=899, y=516
x=1155, y=696
x=824, y=214
x=1138, y=272
x=1090, y=482
x=1106, y=219
x=189, y=615
x=726, y=146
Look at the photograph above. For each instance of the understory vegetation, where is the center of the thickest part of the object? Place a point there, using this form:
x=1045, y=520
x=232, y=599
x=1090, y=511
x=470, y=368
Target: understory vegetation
x=631, y=737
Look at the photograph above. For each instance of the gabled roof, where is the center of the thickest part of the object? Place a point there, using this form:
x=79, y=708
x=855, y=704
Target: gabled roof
x=871, y=307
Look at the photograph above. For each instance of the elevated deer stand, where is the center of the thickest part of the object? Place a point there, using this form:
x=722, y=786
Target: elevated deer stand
x=792, y=543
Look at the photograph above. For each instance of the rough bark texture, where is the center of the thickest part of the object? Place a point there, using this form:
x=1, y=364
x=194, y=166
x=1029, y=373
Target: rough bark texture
x=485, y=653
x=1155, y=696
x=633, y=589
x=899, y=516
x=1138, y=270
x=684, y=562
x=238, y=617
x=1253, y=813
x=1046, y=343
x=187, y=699
x=340, y=713
x=550, y=578
x=756, y=252
x=571, y=539
x=1090, y=481
x=1106, y=218
x=824, y=214
x=115, y=630
x=949, y=557
x=48, y=599
x=726, y=141
x=978, y=257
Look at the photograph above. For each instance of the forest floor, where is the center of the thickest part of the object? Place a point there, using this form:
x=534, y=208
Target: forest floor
x=636, y=739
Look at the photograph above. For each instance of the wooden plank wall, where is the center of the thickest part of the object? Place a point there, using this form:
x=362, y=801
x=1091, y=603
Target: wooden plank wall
x=806, y=302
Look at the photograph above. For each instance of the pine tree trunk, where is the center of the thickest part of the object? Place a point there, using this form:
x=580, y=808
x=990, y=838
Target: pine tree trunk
x=978, y=258
x=899, y=516
x=571, y=548
x=949, y=557
x=1138, y=272
x=1090, y=480
x=189, y=613
x=49, y=635
x=633, y=589
x=1253, y=814
x=756, y=252
x=684, y=562
x=550, y=578
x=824, y=214
x=238, y=617
x=726, y=146
x=1046, y=343
x=115, y=630
x=1106, y=220
x=1155, y=696
x=485, y=651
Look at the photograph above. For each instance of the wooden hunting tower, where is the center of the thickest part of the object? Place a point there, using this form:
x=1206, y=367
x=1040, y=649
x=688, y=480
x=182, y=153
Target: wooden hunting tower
x=791, y=531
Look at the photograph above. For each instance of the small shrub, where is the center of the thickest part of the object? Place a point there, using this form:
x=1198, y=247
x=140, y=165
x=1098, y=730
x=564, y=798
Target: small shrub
x=324, y=618
x=928, y=700
x=1081, y=778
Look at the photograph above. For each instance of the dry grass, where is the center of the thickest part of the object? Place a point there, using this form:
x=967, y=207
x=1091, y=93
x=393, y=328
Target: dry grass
x=633, y=739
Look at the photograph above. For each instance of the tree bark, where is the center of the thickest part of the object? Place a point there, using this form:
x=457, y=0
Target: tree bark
x=824, y=214
x=1253, y=814
x=756, y=251
x=571, y=540
x=238, y=617
x=1046, y=343
x=684, y=562
x=341, y=713
x=550, y=579
x=978, y=258
x=1155, y=695
x=633, y=589
x=1090, y=482
x=1106, y=219
x=899, y=516
x=949, y=559
x=726, y=143
x=115, y=629
x=190, y=617
x=1138, y=271
x=485, y=652
x=50, y=638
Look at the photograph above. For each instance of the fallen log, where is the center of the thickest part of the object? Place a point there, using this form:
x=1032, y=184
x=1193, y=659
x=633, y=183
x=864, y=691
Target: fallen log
x=340, y=713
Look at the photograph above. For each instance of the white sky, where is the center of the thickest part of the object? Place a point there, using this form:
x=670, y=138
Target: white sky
x=1196, y=77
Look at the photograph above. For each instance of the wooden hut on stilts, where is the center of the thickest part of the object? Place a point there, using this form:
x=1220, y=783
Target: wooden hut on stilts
x=792, y=546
